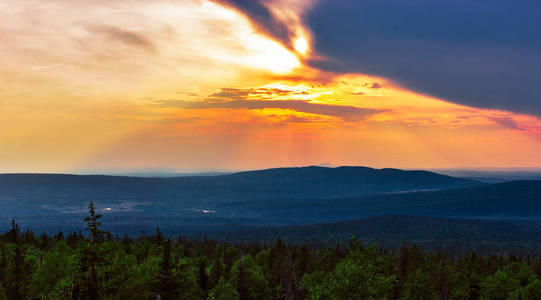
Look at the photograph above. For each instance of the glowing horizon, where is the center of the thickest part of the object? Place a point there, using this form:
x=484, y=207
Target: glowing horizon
x=196, y=85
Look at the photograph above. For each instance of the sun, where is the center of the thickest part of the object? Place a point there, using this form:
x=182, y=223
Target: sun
x=301, y=45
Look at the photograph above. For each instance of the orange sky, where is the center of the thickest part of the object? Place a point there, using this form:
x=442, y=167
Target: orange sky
x=194, y=85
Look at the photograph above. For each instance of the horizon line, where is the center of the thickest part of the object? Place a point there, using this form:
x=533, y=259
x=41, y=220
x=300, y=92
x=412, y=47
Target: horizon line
x=162, y=172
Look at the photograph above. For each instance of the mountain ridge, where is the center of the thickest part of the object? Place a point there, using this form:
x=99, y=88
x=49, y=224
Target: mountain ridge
x=201, y=203
x=303, y=181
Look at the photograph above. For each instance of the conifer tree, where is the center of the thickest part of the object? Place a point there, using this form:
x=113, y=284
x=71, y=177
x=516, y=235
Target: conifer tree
x=243, y=282
x=93, y=226
x=166, y=284
x=91, y=260
x=277, y=260
x=18, y=273
x=216, y=271
x=158, y=237
x=14, y=232
x=202, y=277
x=304, y=261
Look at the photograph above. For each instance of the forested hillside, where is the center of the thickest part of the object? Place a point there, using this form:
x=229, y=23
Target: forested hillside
x=447, y=235
x=95, y=265
x=510, y=200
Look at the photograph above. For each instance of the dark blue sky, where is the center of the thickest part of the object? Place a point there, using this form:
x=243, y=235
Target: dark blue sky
x=483, y=53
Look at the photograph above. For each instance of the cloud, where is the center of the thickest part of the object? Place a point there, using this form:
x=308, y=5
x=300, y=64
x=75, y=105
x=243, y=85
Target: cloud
x=255, y=93
x=347, y=113
x=478, y=53
x=180, y=120
x=375, y=85
x=299, y=119
x=507, y=122
x=281, y=19
x=130, y=38
x=260, y=16
x=482, y=53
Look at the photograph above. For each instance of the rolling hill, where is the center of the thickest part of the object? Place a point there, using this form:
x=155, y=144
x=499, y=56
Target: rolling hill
x=256, y=199
x=19, y=192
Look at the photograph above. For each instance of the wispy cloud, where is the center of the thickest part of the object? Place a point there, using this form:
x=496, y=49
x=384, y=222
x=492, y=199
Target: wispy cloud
x=130, y=38
x=256, y=93
x=507, y=122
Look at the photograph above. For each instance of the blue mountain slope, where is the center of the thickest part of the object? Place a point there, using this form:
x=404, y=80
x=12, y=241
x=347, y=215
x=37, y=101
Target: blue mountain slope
x=316, y=182
x=510, y=200
x=251, y=199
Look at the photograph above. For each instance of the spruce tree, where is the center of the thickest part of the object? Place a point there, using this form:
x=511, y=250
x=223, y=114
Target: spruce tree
x=91, y=260
x=277, y=259
x=93, y=226
x=202, y=277
x=18, y=273
x=216, y=271
x=167, y=283
x=243, y=282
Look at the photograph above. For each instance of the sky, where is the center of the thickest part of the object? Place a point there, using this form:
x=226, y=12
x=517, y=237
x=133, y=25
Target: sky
x=200, y=85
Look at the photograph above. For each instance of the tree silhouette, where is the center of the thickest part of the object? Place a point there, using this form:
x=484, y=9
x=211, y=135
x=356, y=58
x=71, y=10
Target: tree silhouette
x=243, y=282
x=91, y=260
x=93, y=226
x=167, y=283
x=18, y=273
x=202, y=277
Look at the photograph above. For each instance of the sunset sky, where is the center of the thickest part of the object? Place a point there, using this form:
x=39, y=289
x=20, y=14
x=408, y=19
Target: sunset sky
x=189, y=85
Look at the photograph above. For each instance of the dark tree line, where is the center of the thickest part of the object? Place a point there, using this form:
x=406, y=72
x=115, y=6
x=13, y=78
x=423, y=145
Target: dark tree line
x=97, y=266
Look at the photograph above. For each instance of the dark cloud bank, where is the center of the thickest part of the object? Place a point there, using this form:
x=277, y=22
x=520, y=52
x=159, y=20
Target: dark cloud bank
x=483, y=53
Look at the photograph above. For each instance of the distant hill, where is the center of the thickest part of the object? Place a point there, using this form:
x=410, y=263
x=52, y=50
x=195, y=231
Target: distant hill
x=511, y=200
x=363, y=179
x=307, y=182
x=456, y=236
x=495, y=175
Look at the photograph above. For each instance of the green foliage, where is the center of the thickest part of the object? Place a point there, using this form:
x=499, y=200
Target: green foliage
x=508, y=282
x=56, y=272
x=417, y=287
x=358, y=276
x=223, y=291
x=18, y=266
x=2, y=293
x=217, y=270
x=531, y=292
x=249, y=279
